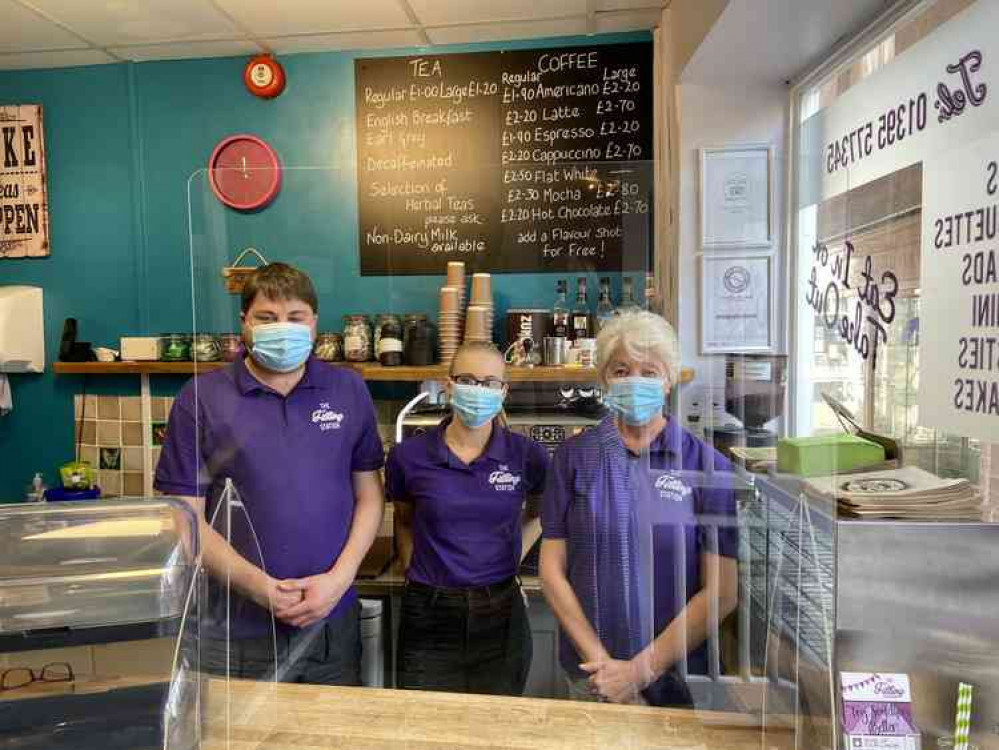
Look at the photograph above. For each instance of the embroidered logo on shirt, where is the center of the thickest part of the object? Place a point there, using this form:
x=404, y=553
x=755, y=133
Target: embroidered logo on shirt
x=671, y=488
x=326, y=418
x=503, y=480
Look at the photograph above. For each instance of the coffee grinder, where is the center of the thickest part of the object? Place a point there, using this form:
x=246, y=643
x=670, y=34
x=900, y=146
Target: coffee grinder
x=755, y=388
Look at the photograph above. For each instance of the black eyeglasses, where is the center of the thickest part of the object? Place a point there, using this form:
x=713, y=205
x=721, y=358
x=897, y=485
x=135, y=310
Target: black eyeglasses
x=19, y=677
x=490, y=382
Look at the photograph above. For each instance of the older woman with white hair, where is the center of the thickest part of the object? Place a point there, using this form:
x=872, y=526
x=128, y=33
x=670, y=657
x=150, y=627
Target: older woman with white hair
x=632, y=572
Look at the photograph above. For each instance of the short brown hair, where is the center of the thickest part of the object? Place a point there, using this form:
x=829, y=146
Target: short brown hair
x=279, y=281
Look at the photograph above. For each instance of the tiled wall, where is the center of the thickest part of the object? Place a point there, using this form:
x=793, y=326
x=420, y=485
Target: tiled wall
x=109, y=432
x=109, y=435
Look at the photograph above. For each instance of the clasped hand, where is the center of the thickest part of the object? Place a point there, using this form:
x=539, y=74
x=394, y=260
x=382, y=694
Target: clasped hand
x=618, y=681
x=302, y=602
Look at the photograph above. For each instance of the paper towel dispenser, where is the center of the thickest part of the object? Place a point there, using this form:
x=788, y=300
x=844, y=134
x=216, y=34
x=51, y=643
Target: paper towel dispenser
x=22, y=329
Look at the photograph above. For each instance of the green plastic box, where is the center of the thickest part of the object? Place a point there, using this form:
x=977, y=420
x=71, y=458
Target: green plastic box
x=822, y=455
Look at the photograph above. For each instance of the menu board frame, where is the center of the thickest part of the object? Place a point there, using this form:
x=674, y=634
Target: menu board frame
x=736, y=197
x=499, y=111
x=734, y=287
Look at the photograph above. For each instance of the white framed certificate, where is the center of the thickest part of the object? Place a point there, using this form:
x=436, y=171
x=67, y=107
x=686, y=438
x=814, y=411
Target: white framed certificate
x=737, y=197
x=736, y=304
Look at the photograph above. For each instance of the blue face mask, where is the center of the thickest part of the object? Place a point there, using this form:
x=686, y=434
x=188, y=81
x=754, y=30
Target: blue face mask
x=635, y=400
x=474, y=404
x=281, y=347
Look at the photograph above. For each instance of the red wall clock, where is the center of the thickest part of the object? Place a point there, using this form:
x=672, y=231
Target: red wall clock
x=244, y=172
x=264, y=77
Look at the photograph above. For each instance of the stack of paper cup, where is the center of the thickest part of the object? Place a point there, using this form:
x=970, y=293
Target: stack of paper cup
x=482, y=296
x=456, y=278
x=449, y=323
x=477, y=327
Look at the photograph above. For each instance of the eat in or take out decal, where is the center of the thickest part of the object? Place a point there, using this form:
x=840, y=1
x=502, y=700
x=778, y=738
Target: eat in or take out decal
x=865, y=326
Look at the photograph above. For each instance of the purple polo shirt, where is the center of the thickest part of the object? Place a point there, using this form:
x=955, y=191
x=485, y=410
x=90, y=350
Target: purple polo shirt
x=466, y=517
x=291, y=459
x=635, y=528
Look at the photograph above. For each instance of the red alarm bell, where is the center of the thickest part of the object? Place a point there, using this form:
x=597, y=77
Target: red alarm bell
x=264, y=77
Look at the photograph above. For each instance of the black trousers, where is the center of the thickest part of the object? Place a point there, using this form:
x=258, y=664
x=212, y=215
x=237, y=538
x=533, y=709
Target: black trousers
x=465, y=640
x=328, y=653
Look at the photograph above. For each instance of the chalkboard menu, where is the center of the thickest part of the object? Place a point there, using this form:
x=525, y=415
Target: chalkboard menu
x=528, y=160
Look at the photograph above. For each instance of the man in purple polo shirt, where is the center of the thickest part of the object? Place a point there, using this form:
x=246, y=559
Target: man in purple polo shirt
x=298, y=440
x=640, y=534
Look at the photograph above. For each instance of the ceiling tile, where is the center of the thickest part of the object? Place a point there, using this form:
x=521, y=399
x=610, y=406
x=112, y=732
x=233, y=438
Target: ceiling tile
x=185, y=50
x=439, y=12
x=119, y=22
x=282, y=17
x=635, y=21
x=348, y=40
x=629, y=4
x=59, y=59
x=504, y=31
x=22, y=30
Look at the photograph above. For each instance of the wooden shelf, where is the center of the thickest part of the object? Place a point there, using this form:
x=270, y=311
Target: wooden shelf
x=134, y=368
x=368, y=370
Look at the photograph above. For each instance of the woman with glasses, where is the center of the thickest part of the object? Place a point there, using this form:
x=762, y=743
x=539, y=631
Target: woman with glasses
x=460, y=492
x=638, y=559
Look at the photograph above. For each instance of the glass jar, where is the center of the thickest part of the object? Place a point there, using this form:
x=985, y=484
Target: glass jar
x=329, y=347
x=390, y=341
x=417, y=341
x=357, y=344
x=205, y=348
x=376, y=330
x=230, y=345
x=175, y=347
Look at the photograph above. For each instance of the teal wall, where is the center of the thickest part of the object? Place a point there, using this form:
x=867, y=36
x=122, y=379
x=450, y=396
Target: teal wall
x=122, y=142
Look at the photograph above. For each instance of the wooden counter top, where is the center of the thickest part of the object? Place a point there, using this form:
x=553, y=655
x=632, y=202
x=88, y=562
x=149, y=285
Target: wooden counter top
x=265, y=716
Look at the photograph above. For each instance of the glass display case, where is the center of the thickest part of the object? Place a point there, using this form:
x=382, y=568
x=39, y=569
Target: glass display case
x=94, y=600
x=76, y=568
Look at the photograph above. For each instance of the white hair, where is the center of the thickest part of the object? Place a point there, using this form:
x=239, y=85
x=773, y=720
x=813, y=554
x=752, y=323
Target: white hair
x=641, y=335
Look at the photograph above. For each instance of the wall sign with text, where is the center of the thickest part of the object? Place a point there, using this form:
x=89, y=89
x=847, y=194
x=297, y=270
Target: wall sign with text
x=939, y=92
x=736, y=197
x=960, y=91
x=522, y=160
x=24, y=205
x=959, y=347
x=737, y=312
